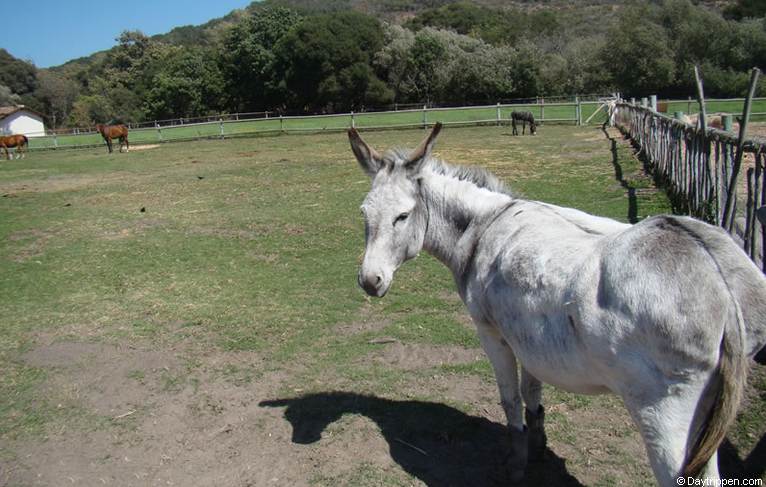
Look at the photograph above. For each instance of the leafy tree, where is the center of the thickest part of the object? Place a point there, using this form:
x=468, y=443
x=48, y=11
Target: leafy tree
x=746, y=8
x=55, y=97
x=189, y=85
x=247, y=58
x=7, y=97
x=637, y=57
x=325, y=63
x=19, y=76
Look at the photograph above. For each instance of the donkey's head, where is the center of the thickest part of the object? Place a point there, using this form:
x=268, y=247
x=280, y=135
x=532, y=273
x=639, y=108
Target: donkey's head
x=395, y=215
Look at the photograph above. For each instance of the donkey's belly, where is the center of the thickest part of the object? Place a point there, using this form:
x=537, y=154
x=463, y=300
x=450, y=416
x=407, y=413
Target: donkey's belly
x=548, y=348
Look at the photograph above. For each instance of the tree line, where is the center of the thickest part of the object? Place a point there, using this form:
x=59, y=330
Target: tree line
x=275, y=57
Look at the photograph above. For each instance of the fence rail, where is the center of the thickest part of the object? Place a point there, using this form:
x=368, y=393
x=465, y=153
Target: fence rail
x=696, y=167
x=236, y=125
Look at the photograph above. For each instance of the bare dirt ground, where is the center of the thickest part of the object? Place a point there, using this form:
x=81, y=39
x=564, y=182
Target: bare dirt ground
x=213, y=430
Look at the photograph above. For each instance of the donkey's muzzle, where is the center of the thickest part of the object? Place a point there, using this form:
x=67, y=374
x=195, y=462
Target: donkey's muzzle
x=372, y=284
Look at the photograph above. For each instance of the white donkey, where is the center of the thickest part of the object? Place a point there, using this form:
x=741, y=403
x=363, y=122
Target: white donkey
x=664, y=313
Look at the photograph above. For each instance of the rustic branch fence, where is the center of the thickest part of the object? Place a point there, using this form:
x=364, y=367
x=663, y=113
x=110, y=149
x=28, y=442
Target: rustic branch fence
x=696, y=167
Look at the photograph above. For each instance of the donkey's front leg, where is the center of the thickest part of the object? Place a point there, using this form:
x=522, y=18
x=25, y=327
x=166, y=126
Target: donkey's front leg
x=504, y=364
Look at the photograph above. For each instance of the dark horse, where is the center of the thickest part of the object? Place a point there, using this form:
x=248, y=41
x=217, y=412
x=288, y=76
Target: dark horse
x=20, y=142
x=109, y=132
x=523, y=117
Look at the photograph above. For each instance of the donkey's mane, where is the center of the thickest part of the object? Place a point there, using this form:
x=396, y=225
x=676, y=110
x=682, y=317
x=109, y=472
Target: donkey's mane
x=473, y=174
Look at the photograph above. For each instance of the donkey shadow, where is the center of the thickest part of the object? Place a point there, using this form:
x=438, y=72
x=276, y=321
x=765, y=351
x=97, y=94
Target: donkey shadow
x=438, y=444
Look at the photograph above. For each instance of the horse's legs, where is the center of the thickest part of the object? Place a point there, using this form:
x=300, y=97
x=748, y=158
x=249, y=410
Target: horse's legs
x=534, y=414
x=504, y=364
x=127, y=144
x=7, y=155
x=665, y=424
x=513, y=124
x=109, y=144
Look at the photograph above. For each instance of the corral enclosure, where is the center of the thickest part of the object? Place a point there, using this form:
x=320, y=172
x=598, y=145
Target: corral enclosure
x=188, y=314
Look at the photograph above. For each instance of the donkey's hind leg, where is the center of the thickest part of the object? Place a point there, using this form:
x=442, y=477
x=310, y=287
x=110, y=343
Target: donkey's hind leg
x=534, y=414
x=504, y=364
x=667, y=425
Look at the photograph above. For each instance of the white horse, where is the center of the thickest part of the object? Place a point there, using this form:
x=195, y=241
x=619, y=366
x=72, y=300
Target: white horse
x=664, y=313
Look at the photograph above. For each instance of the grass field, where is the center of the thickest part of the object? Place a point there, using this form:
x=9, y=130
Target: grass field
x=188, y=315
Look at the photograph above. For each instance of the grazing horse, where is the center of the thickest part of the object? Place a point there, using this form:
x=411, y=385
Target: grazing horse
x=20, y=142
x=523, y=117
x=664, y=313
x=109, y=132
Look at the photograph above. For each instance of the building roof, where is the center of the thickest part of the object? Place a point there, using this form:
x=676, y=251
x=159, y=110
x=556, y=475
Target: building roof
x=7, y=111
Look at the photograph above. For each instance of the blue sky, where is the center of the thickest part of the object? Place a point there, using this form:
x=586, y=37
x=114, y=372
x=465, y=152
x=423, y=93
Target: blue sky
x=51, y=32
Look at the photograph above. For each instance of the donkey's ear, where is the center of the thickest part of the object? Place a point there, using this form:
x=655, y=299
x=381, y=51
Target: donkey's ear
x=418, y=156
x=368, y=157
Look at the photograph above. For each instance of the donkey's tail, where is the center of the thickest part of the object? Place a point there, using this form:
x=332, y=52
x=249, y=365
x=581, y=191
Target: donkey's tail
x=728, y=382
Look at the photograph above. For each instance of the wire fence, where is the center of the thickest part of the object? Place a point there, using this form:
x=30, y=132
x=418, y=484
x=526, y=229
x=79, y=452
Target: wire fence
x=696, y=167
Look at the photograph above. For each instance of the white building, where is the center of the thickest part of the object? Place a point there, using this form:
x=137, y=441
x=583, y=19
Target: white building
x=21, y=120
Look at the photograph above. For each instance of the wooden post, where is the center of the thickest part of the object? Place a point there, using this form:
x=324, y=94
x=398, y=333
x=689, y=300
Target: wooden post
x=578, y=111
x=728, y=213
x=55, y=139
x=353, y=122
x=653, y=102
x=644, y=102
x=281, y=123
x=220, y=122
x=542, y=109
x=425, y=117
x=498, y=114
x=159, y=131
x=727, y=121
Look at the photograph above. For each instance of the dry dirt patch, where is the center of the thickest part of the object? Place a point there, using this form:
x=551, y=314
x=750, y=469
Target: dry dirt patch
x=416, y=356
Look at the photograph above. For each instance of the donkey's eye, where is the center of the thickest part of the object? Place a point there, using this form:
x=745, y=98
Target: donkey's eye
x=401, y=218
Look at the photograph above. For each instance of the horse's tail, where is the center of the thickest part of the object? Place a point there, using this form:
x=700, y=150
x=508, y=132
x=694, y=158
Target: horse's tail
x=25, y=139
x=728, y=383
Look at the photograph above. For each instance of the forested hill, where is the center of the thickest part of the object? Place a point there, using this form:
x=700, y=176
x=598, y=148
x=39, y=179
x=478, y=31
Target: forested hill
x=297, y=56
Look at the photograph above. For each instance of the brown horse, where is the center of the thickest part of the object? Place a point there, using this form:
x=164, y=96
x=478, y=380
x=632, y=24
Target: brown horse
x=20, y=142
x=109, y=132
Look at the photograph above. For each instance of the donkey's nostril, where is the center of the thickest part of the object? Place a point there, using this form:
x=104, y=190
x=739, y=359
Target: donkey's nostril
x=377, y=280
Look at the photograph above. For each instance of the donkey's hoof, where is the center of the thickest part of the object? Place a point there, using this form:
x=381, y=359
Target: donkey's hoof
x=517, y=456
x=537, y=439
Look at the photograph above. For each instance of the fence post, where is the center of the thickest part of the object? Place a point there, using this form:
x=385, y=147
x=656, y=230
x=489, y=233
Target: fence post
x=55, y=140
x=689, y=105
x=653, y=102
x=220, y=122
x=353, y=122
x=159, y=131
x=542, y=109
x=498, y=114
x=644, y=102
x=425, y=117
x=727, y=122
x=281, y=123
x=578, y=111
x=678, y=115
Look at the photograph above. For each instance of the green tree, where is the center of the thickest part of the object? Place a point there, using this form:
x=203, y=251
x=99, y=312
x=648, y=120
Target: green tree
x=325, y=63
x=188, y=85
x=637, y=55
x=247, y=58
x=20, y=76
